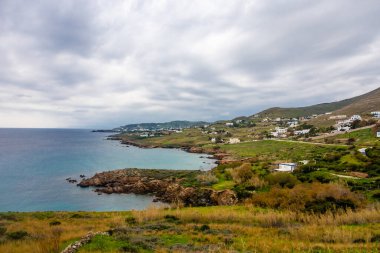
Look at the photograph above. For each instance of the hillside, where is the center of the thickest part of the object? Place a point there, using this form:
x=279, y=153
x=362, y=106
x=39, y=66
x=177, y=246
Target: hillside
x=365, y=104
x=357, y=105
x=156, y=126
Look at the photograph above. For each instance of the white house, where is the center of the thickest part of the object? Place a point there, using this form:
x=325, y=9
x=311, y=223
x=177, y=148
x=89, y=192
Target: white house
x=378, y=134
x=338, y=117
x=286, y=167
x=362, y=151
x=229, y=124
x=293, y=123
x=274, y=134
x=376, y=114
x=301, y=132
x=281, y=130
x=343, y=128
x=355, y=117
x=234, y=141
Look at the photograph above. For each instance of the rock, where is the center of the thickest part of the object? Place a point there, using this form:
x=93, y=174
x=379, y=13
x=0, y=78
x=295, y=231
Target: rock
x=162, y=185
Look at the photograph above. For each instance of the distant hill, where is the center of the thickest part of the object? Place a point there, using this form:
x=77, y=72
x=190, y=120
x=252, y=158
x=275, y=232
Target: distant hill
x=357, y=105
x=156, y=126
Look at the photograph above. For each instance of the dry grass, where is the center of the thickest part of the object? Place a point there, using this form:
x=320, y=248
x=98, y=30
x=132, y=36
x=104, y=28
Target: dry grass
x=236, y=228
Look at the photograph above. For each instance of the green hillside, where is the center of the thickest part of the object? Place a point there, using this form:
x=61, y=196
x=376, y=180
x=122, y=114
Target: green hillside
x=360, y=104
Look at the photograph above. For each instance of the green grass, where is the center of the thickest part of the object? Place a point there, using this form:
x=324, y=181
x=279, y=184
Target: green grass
x=270, y=150
x=223, y=185
x=362, y=137
x=350, y=159
x=170, y=240
x=105, y=243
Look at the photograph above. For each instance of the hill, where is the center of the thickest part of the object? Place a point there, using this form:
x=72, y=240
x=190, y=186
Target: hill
x=357, y=105
x=157, y=126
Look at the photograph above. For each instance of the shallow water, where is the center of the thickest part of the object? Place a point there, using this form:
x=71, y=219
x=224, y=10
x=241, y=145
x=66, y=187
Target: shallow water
x=34, y=164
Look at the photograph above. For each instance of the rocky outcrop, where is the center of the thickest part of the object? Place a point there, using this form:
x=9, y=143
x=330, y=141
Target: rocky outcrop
x=165, y=186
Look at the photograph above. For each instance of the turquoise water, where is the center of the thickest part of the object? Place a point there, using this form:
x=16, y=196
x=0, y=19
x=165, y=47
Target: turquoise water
x=34, y=164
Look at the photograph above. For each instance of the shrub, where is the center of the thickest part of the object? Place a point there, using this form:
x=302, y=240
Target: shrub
x=130, y=220
x=256, y=183
x=282, y=179
x=315, y=197
x=2, y=230
x=54, y=223
x=322, y=177
x=203, y=228
x=242, y=173
x=17, y=235
x=171, y=218
x=375, y=238
x=207, y=179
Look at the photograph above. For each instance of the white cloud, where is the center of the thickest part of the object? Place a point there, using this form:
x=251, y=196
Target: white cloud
x=103, y=64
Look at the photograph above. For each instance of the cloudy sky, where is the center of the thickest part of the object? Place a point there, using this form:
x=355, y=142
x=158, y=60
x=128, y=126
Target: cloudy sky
x=100, y=64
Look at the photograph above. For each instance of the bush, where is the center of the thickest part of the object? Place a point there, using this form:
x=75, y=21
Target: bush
x=282, y=179
x=242, y=173
x=2, y=230
x=202, y=228
x=17, y=235
x=207, y=179
x=171, y=218
x=375, y=238
x=322, y=177
x=130, y=220
x=54, y=223
x=315, y=197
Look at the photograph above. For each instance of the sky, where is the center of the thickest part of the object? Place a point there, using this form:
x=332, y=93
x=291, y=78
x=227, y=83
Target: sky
x=102, y=64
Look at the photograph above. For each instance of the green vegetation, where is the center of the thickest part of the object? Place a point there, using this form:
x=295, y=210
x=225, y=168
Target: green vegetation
x=363, y=137
x=271, y=150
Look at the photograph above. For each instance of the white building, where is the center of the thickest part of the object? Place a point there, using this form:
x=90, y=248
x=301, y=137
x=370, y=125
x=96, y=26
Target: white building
x=343, y=128
x=286, y=167
x=229, y=124
x=338, y=117
x=234, y=141
x=301, y=132
x=293, y=123
x=274, y=134
x=355, y=117
x=378, y=134
x=362, y=151
x=281, y=130
x=376, y=114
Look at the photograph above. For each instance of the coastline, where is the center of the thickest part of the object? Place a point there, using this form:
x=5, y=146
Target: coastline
x=213, y=154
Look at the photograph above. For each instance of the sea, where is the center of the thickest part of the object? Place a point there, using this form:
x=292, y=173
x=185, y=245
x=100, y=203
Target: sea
x=34, y=165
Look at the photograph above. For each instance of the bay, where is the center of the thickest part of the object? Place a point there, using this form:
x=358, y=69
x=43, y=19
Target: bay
x=34, y=164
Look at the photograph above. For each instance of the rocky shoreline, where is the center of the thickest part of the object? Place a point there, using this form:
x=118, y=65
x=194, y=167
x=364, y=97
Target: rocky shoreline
x=168, y=186
x=214, y=154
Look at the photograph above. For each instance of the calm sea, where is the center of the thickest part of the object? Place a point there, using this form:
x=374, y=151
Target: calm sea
x=34, y=164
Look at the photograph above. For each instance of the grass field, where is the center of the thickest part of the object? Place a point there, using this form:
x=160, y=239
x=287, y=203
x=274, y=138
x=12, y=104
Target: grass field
x=362, y=137
x=270, y=150
x=190, y=137
x=207, y=229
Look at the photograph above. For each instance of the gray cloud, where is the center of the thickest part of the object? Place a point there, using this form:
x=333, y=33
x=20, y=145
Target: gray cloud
x=107, y=63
